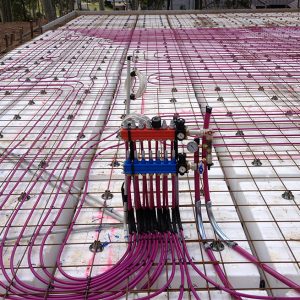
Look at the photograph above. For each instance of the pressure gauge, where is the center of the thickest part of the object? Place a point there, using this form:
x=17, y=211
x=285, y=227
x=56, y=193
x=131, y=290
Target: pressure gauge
x=180, y=136
x=182, y=170
x=192, y=146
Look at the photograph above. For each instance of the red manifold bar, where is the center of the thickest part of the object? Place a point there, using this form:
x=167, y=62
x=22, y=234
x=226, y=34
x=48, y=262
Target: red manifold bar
x=146, y=134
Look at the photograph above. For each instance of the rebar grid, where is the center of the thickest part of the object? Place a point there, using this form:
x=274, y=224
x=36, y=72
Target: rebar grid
x=61, y=105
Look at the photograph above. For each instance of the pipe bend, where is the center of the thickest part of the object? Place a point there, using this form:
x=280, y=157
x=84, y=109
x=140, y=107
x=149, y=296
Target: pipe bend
x=217, y=229
x=200, y=225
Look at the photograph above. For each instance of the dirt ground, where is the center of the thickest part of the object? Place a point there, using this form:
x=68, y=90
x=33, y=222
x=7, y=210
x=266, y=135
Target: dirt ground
x=16, y=33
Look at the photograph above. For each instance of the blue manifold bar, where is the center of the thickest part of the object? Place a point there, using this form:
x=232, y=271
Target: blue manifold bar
x=150, y=166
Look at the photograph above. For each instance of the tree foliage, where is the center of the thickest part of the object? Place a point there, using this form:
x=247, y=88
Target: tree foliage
x=24, y=10
x=6, y=11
